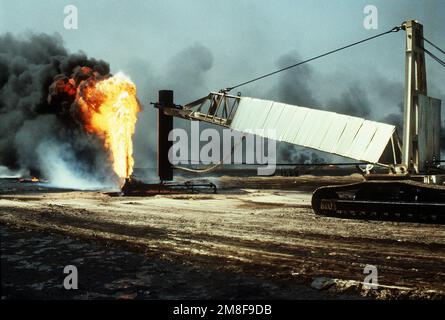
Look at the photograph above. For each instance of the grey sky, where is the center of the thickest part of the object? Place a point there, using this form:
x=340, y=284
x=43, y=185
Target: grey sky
x=245, y=38
x=251, y=34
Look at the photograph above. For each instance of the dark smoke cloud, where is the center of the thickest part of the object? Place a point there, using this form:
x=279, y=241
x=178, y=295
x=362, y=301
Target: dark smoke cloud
x=354, y=102
x=185, y=73
x=395, y=118
x=294, y=86
x=33, y=127
x=292, y=154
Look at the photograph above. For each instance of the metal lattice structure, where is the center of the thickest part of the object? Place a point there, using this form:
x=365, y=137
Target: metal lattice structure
x=216, y=108
x=347, y=136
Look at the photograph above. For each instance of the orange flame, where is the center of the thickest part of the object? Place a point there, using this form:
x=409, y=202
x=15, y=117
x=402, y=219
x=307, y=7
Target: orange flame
x=109, y=108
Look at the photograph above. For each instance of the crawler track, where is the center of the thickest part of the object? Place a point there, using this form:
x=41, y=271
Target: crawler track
x=382, y=200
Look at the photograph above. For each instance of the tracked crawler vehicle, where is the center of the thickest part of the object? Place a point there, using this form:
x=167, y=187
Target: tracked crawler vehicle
x=413, y=189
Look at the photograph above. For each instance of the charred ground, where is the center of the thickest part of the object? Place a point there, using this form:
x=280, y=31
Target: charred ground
x=251, y=240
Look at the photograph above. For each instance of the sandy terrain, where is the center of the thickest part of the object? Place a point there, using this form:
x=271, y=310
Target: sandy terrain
x=251, y=240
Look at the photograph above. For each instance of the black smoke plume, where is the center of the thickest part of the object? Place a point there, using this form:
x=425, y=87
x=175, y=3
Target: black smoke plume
x=39, y=131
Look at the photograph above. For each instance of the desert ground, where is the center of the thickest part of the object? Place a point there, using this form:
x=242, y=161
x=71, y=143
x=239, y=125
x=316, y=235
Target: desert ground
x=256, y=238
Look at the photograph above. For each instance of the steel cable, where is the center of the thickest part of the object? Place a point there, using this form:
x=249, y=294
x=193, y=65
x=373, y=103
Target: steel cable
x=393, y=30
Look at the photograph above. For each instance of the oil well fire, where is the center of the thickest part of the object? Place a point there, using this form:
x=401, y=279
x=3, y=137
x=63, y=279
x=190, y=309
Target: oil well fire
x=67, y=117
x=77, y=116
x=106, y=106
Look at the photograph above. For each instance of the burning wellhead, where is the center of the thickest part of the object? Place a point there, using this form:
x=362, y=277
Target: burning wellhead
x=107, y=107
x=63, y=116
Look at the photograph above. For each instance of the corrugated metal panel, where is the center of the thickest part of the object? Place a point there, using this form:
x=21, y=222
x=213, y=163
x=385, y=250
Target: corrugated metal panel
x=318, y=129
x=327, y=131
x=362, y=139
x=331, y=140
x=283, y=123
x=273, y=117
x=296, y=122
x=241, y=115
x=429, y=130
x=261, y=111
x=346, y=139
x=375, y=148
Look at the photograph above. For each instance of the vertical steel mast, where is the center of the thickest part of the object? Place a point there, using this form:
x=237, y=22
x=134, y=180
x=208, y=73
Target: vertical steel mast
x=415, y=84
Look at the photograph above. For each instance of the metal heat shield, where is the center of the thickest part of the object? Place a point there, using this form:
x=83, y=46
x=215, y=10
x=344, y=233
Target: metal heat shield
x=327, y=131
x=429, y=131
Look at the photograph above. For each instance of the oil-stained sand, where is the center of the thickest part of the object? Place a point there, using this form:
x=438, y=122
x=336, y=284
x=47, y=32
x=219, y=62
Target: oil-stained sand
x=244, y=242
